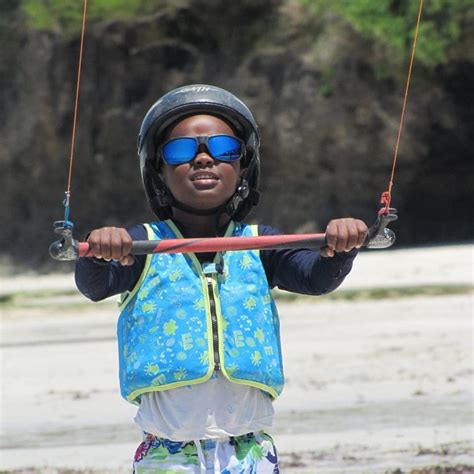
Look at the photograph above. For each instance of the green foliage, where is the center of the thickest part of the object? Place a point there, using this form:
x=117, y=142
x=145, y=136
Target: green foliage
x=391, y=24
x=67, y=14
x=327, y=82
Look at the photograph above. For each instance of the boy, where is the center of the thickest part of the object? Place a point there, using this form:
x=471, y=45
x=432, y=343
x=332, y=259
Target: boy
x=199, y=345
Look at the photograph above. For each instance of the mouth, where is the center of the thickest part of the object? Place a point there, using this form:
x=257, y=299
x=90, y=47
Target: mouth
x=204, y=176
x=204, y=180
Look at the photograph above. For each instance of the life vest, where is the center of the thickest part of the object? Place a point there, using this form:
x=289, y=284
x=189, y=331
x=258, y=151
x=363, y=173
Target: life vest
x=183, y=320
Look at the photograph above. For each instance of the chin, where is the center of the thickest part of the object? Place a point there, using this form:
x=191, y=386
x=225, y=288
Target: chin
x=204, y=205
x=205, y=201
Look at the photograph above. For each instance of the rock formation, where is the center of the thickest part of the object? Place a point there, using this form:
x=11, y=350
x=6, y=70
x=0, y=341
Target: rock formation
x=328, y=120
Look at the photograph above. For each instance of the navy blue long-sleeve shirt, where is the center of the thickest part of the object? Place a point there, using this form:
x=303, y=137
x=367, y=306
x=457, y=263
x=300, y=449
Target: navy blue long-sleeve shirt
x=302, y=271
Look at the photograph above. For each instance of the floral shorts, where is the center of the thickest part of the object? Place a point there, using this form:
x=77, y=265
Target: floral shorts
x=253, y=453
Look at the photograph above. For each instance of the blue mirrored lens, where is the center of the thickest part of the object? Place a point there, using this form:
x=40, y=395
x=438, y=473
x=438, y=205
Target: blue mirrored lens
x=184, y=149
x=224, y=148
x=181, y=150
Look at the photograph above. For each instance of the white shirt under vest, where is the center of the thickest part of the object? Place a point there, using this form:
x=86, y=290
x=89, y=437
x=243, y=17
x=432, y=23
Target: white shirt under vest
x=214, y=409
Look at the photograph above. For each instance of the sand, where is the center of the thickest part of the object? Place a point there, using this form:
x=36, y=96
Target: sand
x=372, y=385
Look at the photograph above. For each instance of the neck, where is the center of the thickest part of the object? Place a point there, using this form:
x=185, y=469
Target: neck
x=192, y=225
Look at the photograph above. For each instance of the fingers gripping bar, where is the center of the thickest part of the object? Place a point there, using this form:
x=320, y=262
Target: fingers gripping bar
x=67, y=248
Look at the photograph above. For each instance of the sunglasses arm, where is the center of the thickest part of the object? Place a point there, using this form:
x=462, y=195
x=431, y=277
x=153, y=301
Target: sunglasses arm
x=68, y=249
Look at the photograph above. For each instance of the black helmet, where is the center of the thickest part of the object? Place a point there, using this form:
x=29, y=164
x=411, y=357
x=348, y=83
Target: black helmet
x=192, y=100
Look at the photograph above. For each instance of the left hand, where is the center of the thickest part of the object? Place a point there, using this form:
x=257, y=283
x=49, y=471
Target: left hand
x=343, y=235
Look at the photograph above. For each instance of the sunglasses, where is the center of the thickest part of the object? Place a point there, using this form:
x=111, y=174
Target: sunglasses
x=184, y=149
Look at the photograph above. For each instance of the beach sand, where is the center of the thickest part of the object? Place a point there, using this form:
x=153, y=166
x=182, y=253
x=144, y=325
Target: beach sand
x=373, y=385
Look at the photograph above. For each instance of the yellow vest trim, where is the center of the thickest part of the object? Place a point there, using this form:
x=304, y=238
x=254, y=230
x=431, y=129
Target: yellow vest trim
x=126, y=297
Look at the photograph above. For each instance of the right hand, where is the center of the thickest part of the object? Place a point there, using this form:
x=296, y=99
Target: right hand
x=111, y=243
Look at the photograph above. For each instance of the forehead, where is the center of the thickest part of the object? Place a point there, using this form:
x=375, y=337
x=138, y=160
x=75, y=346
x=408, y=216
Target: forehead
x=196, y=125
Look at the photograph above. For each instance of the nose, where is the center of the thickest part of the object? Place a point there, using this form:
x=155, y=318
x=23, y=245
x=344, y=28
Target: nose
x=203, y=158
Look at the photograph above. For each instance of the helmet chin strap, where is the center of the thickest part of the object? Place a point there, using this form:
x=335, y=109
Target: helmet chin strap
x=229, y=207
x=164, y=198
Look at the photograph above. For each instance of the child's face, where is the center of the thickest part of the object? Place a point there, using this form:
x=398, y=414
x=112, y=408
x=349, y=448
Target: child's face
x=204, y=183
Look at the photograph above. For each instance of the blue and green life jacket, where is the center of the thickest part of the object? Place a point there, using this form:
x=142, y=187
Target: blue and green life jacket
x=184, y=319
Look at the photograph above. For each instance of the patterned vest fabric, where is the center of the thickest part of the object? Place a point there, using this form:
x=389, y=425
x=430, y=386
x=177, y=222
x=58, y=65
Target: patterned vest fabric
x=180, y=311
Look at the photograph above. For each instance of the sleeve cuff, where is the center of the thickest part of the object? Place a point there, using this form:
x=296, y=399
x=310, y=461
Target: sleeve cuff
x=341, y=256
x=101, y=262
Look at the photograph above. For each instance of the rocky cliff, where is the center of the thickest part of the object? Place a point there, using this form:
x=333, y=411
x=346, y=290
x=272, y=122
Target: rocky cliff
x=328, y=120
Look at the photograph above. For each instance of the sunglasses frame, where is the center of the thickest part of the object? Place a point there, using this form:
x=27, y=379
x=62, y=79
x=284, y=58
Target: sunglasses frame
x=203, y=140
